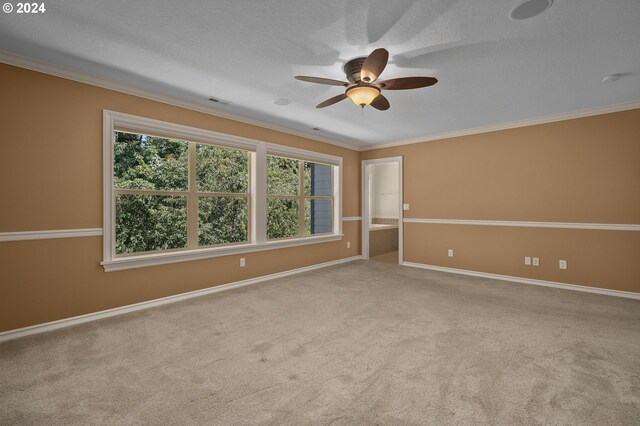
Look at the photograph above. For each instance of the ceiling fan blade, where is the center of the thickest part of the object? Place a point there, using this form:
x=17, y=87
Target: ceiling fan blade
x=332, y=101
x=381, y=103
x=405, y=83
x=321, y=80
x=374, y=65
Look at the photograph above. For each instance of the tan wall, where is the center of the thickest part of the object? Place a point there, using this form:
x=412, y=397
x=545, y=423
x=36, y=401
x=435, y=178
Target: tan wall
x=584, y=170
x=51, y=178
x=581, y=170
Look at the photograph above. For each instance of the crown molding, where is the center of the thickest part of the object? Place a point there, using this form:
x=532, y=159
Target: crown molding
x=34, y=65
x=54, y=70
x=513, y=124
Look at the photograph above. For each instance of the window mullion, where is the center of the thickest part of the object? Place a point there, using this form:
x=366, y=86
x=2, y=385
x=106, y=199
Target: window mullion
x=192, y=200
x=301, y=199
x=258, y=193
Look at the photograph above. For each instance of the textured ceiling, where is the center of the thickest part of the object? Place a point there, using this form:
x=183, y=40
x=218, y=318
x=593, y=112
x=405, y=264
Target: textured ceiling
x=491, y=69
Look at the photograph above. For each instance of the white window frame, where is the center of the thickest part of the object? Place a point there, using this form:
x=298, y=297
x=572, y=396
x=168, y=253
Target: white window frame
x=301, y=197
x=258, y=192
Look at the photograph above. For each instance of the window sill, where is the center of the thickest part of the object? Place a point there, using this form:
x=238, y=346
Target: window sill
x=142, y=261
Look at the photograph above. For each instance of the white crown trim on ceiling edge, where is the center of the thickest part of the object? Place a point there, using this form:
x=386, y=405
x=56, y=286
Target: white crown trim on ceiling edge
x=563, y=116
x=34, y=65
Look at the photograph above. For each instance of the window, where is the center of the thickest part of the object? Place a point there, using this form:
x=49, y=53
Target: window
x=299, y=198
x=222, y=185
x=175, y=193
x=154, y=195
x=150, y=186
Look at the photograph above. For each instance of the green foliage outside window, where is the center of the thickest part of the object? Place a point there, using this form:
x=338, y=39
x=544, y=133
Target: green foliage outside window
x=150, y=222
x=222, y=220
x=146, y=222
x=222, y=170
x=283, y=176
x=282, y=218
x=144, y=162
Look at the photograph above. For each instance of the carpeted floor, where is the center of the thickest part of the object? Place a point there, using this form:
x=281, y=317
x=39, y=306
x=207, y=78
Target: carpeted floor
x=360, y=344
x=391, y=257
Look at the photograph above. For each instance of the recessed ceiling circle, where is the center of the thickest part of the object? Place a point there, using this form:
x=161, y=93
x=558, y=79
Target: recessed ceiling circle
x=282, y=101
x=529, y=9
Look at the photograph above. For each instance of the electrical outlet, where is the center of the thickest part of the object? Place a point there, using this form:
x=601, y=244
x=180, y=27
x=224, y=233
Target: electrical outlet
x=527, y=260
x=450, y=252
x=536, y=261
x=242, y=262
x=405, y=207
x=348, y=244
x=562, y=264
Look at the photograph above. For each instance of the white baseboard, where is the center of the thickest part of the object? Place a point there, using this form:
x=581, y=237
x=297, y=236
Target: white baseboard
x=68, y=322
x=554, y=284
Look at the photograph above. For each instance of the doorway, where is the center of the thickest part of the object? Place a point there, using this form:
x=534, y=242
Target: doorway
x=382, y=209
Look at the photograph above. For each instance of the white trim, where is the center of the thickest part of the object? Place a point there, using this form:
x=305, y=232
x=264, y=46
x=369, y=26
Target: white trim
x=163, y=258
x=108, y=201
x=351, y=218
x=302, y=154
x=521, y=280
x=259, y=196
x=337, y=206
x=67, y=322
x=551, y=118
x=524, y=224
x=364, y=190
x=113, y=120
x=167, y=129
x=31, y=64
x=47, y=235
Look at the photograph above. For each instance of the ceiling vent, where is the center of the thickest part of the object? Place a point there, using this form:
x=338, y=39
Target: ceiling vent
x=220, y=101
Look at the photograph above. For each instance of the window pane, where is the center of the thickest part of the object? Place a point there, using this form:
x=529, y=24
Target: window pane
x=222, y=169
x=222, y=220
x=147, y=162
x=318, y=217
x=282, y=218
x=150, y=223
x=317, y=179
x=282, y=176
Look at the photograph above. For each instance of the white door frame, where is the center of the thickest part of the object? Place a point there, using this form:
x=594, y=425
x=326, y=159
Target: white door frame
x=365, y=203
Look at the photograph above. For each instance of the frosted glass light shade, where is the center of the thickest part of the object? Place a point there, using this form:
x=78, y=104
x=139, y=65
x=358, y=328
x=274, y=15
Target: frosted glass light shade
x=363, y=95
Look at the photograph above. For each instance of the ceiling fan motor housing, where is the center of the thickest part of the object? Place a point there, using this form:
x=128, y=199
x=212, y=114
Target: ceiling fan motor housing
x=352, y=69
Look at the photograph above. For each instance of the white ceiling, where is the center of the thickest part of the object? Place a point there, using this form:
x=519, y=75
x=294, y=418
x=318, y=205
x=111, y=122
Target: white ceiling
x=491, y=69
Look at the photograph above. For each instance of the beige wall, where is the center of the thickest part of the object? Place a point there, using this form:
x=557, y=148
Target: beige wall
x=581, y=170
x=584, y=170
x=51, y=178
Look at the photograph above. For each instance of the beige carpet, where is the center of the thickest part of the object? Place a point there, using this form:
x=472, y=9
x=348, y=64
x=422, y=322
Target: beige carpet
x=391, y=257
x=364, y=343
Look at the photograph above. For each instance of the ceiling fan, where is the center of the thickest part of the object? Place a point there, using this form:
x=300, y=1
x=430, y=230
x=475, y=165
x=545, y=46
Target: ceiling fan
x=363, y=87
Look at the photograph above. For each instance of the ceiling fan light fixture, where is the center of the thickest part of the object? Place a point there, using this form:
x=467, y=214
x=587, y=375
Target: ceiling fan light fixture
x=363, y=95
